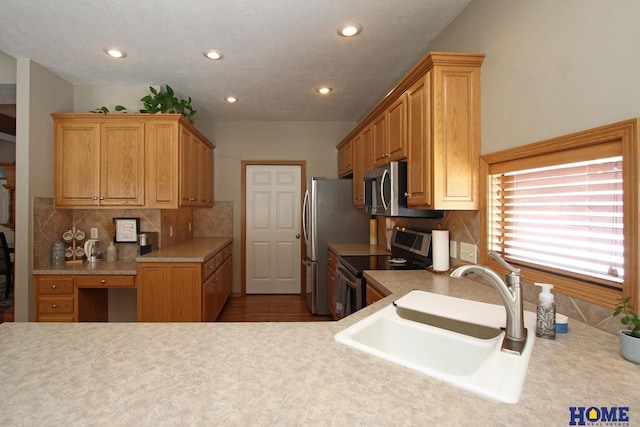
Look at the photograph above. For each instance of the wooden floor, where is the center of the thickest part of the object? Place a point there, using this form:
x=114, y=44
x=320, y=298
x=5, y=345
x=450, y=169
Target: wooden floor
x=268, y=308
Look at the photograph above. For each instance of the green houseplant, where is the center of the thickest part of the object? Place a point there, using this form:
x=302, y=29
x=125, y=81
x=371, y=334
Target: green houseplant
x=629, y=338
x=165, y=101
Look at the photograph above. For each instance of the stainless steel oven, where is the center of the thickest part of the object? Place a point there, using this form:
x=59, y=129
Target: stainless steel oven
x=348, y=292
x=410, y=250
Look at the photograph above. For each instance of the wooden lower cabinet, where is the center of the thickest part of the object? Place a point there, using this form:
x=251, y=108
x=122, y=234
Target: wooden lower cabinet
x=169, y=292
x=373, y=294
x=55, y=298
x=184, y=292
x=77, y=298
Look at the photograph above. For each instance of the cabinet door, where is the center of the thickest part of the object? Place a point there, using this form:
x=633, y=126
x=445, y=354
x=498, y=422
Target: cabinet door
x=397, y=129
x=188, y=169
x=169, y=292
x=122, y=164
x=345, y=159
x=205, y=176
x=153, y=292
x=456, y=137
x=419, y=166
x=161, y=164
x=77, y=164
x=362, y=163
x=379, y=141
x=185, y=293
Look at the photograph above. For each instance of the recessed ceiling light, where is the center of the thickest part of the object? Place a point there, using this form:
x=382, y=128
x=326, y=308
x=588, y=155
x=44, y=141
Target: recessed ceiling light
x=114, y=53
x=350, y=30
x=231, y=99
x=212, y=54
x=324, y=90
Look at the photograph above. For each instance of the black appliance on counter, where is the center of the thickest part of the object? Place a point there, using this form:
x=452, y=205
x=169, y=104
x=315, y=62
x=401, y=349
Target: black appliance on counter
x=410, y=250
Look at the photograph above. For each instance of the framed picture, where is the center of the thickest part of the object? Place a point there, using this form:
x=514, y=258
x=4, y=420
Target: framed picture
x=126, y=230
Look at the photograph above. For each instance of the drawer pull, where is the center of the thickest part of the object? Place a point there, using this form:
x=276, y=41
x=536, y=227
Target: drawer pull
x=54, y=286
x=53, y=306
x=103, y=281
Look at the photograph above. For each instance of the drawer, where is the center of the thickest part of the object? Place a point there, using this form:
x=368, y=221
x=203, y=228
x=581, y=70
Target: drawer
x=209, y=267
x=55, y=286
x=55, y=305
x=105, y=281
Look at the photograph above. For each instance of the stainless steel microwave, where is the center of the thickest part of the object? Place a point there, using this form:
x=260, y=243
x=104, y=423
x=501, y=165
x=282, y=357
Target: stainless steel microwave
x=385, y=192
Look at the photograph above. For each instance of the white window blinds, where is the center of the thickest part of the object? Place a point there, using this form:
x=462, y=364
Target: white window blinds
x=566, y=219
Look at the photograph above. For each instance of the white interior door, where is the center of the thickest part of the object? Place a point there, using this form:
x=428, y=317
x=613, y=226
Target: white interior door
x=273, y=221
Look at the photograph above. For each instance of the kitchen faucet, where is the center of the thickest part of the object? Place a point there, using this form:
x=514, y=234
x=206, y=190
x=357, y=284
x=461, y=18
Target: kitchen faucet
x=511, y=296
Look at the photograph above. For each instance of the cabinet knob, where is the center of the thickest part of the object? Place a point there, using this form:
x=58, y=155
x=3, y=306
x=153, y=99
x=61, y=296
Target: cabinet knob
x=103, y=281
x=53, y=306
x=101, y=197
x=54, y=286
x=217, y=279
x=95, y=197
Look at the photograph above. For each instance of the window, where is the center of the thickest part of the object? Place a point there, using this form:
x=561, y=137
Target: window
x=565, y=212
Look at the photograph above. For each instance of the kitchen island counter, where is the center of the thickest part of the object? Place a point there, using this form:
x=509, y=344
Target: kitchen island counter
x=289, y=374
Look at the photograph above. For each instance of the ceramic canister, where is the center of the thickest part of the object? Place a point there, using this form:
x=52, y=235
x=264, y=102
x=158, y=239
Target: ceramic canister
x=57, y=253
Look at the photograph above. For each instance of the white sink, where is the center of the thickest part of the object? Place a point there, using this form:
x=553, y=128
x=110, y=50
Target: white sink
x=452, y=339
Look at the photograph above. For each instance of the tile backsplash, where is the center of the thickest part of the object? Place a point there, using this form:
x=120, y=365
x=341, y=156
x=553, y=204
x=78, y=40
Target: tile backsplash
x=170, y=226
x=464, y=226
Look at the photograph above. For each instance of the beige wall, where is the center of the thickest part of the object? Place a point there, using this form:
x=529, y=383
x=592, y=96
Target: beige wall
x=7, y=69
x=551, y=67
x=87, y=98
x=39, y=93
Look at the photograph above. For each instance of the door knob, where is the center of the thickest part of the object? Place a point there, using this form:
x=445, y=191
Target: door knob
x=297, y=236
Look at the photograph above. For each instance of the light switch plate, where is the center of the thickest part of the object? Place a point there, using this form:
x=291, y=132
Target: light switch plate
x=94, y=232
x=468, y=253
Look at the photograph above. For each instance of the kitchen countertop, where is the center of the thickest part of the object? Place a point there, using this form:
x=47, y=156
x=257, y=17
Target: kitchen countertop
x=198, y=249
x=291, y=374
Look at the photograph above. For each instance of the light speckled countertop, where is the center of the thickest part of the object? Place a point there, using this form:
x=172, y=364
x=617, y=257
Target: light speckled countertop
x=198, y=249
x=285, y=374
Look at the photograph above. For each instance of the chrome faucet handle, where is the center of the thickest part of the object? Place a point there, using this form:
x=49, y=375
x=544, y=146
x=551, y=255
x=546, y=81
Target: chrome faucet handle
x=504, y=263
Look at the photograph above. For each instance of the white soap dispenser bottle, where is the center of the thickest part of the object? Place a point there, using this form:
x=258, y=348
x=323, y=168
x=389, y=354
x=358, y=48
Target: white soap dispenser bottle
x=546, y=313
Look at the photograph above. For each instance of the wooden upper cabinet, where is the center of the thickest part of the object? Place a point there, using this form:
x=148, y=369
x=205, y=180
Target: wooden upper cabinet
x=121, y=164
x=379, y=140
x=76, y=163
x=345, y=159
x=99, y=164
x=162, y=167
x=397, y=129
x=420, y=146
x=431, y=120
x=456, y=136
x=131, y=160
x=362, y=162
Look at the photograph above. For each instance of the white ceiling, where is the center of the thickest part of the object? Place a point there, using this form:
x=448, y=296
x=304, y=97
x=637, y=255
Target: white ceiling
x=276, y=52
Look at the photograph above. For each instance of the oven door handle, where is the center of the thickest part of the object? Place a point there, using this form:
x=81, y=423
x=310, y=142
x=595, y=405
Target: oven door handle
x=353, y=283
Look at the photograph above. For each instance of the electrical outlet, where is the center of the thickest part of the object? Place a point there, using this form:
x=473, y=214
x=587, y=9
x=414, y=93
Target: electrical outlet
x=453, y=249
x=94, y=233
x=469, y=252
x=171, y=231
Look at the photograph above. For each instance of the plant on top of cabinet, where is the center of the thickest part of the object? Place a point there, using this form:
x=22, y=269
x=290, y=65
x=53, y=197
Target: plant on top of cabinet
x=164, y=101
x=104, y=109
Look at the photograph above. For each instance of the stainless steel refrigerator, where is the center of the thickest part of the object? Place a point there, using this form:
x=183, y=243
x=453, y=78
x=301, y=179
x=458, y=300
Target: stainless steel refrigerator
x=328, y=217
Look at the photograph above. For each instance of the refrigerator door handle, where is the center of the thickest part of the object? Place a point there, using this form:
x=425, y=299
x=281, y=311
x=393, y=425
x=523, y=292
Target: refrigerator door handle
x=305, y=206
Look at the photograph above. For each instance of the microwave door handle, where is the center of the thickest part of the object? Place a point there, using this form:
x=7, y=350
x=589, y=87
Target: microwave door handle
x=304, y=215
x=384, y=176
